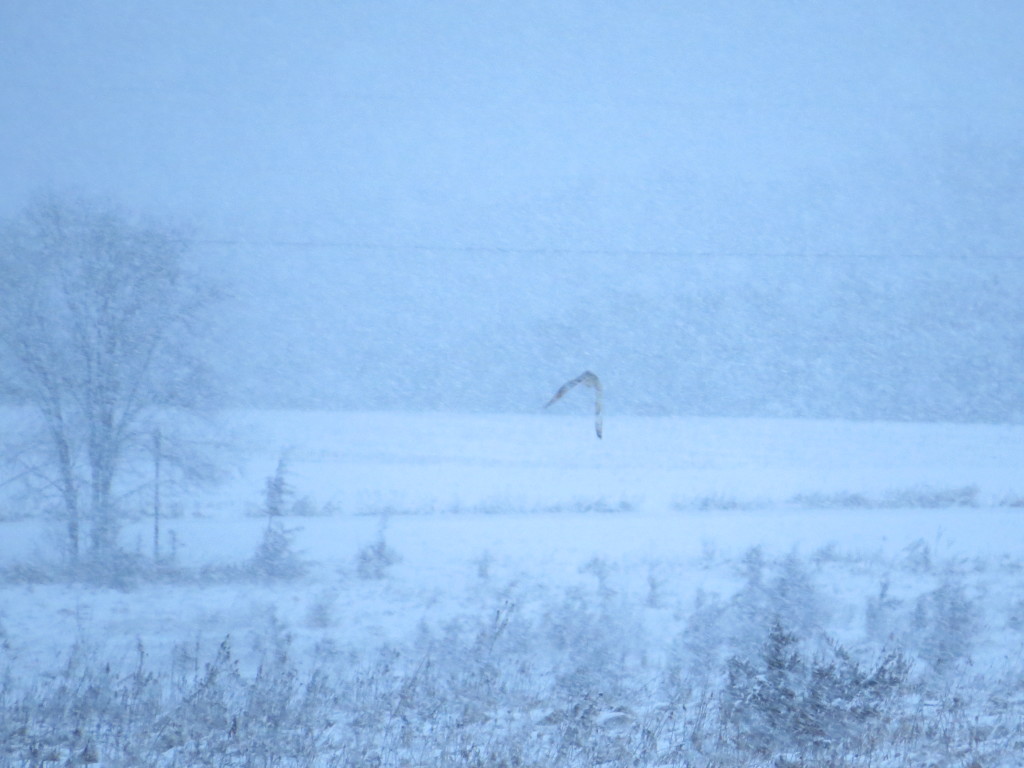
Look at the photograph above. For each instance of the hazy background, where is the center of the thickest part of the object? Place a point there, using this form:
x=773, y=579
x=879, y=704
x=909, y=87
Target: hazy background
x=773, y=208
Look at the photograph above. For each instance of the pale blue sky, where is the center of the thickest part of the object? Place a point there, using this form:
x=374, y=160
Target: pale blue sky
x=730, y=126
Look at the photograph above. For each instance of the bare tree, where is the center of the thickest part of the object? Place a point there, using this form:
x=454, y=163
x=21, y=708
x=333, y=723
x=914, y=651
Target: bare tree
x=97, y=322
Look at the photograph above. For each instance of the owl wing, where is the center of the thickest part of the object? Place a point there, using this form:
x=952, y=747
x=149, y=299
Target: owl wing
x=566, y=387
x=588, y=379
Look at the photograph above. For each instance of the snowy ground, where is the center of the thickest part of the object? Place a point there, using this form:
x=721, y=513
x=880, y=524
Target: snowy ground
x=672, y=544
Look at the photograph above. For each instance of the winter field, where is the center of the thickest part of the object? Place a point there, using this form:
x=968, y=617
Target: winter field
x=476, y=590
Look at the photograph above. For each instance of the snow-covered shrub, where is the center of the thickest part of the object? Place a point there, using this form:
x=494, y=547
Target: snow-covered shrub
x=280, y=498
x=593, y=644
x=321, y=611
x=786, y=699
x=944, y=623
x=694, y=655
x=921, y=497
x=94, y=712
x=772, y=593
x=26, y=572
x=1015, y=617
x=374, y=560
x=277, y=491
x=881, y=614
x=793, y=599
x=225, y=717
x=276, y=557
x=932, y=498
x=835, y=500
x=749, y=608
x=917, y=557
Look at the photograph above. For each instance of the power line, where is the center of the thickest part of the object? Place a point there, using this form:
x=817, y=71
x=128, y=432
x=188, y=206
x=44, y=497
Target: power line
x=499, y=250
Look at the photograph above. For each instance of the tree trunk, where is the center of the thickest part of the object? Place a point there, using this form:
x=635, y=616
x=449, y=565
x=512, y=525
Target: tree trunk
x=69, y=492
x=102, y=465
x=156, y=495
x=104, y=524
x=66, y=481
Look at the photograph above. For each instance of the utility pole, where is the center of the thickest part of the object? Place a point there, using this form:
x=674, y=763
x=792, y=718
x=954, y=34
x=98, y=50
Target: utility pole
x=156, y=494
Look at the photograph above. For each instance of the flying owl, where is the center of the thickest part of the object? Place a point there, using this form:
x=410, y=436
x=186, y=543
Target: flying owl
x=590, y=380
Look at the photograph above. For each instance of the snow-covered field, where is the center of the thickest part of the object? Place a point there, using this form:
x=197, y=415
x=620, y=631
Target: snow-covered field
x=485, y=590
x=419, y=462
